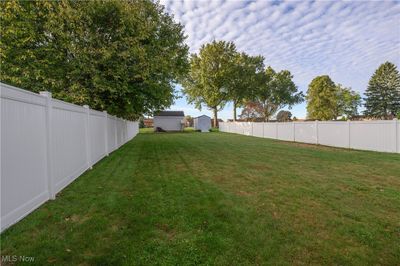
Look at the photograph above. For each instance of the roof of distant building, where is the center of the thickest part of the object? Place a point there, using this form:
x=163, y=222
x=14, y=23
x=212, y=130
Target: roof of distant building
x=170, y=113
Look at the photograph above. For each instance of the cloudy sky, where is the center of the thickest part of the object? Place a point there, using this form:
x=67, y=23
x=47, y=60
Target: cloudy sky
x=346, y=40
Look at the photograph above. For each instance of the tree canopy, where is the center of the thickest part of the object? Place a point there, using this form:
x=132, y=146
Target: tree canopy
x=327, y=100
x=348, y=102
x=383, y=92
x=210, y=74
x=321, y=98
x=252, y=110
x=247, y=74
x=119, y=56
x=276, y=91
x=284, y=116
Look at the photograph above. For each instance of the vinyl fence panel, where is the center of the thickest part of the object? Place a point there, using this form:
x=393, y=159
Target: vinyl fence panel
x=258, y=130
x=285, y=131
x=23, y=153
x=398, y=137
x=247, y=128
x=68, y=143
x=373, y=135
x=305, y=132
x=334, y=134
x=46, y=144
x=97, y=135
x=270, y=130
x=112, y=141
x=377, y=135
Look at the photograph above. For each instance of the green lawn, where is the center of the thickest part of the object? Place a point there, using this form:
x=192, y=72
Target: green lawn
x=220, y=199
x=151, y=130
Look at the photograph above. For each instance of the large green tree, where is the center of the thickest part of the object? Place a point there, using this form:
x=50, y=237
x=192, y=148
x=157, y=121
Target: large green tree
x=347, y=102
x=119, y=56
x=383, y=92
x=322, y=99
x=327, y=100
x=277, y=90
x=244, y=82
x=210, y=74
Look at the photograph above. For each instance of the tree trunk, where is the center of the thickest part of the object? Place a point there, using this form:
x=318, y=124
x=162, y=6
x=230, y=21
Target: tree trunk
x=234, y=111
x=215, y=117
x=266, y=117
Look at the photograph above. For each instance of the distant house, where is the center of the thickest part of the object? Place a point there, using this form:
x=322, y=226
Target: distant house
x=169, y=120
x=148, y=122
x=202, y=123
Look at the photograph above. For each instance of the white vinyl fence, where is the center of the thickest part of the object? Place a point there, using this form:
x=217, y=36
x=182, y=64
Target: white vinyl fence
x=377, y=135
x=46, y=144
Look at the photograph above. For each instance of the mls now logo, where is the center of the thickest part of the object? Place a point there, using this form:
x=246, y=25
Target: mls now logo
x=15, y=258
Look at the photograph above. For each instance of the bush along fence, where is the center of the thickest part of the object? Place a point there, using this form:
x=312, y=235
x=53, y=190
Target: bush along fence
x=375, y=135
x=46, y=144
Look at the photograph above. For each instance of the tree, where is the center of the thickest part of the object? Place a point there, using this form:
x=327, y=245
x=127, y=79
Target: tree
x=383, y=92
x=189, y=121
x=322, y=99
x=348, y=102
x=245, y=79
x=284, y=116
x=327, y=100
x=141, y=122
x=277, y=91
x=252, y=111
x=209, y=76
x=119, y=56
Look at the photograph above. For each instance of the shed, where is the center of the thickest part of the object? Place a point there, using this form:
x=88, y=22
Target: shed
x=169, y=120
x=202, y=123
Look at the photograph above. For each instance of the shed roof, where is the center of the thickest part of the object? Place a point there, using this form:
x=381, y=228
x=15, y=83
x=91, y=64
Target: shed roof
x=203, y=115
x=170, y=113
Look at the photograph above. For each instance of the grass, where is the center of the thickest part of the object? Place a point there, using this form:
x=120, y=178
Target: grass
x=220, y=199
x=151, y=130
x=146, y=130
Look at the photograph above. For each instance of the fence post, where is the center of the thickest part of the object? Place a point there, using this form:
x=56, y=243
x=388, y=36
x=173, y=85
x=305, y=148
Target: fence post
x=276, y=130
x=348, y=134
x=263, y=126
x=49, y=156
x=115, y=132
x=294, y=131
x=126, y=131
x=251, y=123
x=396, y=136
x=316, y=132
x=87, y=133
x=106, y=132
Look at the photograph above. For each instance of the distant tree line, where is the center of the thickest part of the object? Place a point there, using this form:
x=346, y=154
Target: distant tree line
x=220, y=74
x=327, y=100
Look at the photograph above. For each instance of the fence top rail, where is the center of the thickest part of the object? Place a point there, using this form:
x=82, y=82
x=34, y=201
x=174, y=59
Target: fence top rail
x=96, y=113
x=320, y=122
x=67, y=106
x=18, y=94
x=4, y=85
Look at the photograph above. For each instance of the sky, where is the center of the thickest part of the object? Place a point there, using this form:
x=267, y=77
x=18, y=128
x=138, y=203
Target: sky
x=345, y=40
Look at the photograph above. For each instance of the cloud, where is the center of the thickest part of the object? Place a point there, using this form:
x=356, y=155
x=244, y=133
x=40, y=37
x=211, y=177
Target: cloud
x=346, y=40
